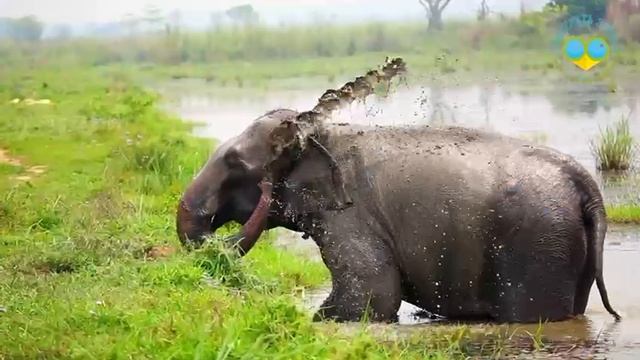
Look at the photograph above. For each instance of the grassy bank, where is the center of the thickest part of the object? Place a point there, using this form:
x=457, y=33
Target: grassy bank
x=264, y=57
x=624, y=214
x=90, y=266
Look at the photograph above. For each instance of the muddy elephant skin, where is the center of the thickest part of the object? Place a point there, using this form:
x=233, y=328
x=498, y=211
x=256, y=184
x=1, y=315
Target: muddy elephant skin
x=462, y=223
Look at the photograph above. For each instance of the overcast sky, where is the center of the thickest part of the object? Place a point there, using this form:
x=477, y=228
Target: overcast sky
x=74, y=11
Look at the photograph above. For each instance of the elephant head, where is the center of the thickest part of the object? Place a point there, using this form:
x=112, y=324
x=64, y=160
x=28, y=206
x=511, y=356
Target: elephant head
x=237, y=182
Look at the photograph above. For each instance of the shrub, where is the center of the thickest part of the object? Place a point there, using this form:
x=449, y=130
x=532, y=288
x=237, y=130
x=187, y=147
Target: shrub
x=614, y=151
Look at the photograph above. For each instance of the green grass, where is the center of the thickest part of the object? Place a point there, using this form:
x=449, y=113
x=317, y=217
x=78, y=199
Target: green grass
x=74, y=278
x=293, y=56
x=624, y=214
x=615, y=148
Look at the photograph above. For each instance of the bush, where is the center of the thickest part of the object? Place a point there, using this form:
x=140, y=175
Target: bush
x=614, y=151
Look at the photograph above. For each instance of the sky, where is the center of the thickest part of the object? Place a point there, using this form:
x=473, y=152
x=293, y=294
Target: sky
x=100, y=11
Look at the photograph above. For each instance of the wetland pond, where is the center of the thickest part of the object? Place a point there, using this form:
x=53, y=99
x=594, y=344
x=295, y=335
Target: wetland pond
x=563, y=115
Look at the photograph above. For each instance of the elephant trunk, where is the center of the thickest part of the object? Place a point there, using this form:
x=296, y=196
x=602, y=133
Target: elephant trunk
x=199, y=205
x=196, y=221
x=253, y=228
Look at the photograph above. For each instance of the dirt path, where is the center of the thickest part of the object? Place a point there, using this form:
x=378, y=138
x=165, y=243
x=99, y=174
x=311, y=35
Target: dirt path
x=5, y=158
x=30, y=171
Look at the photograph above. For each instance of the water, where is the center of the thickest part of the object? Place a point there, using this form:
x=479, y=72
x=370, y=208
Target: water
x=567, y=117
x=595, y=335
x=562, y=115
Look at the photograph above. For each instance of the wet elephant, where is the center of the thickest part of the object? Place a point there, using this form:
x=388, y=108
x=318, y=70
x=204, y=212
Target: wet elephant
x=462, y=223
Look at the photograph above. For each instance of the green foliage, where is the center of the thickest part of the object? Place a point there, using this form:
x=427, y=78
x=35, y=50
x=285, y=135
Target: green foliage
x=257, y=57
x=534, y=29
x=595, y=9
x=615, y=149
x=217, y=50
x=127, y=104
x=624, y=214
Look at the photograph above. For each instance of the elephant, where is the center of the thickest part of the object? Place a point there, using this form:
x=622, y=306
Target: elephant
x=463, y=223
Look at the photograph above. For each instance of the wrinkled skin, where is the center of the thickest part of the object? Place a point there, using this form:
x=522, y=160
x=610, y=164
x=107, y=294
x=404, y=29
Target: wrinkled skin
x=464, y=224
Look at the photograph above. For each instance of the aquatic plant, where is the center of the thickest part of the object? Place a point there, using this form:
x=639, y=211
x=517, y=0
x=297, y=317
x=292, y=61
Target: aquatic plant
x=615, y=148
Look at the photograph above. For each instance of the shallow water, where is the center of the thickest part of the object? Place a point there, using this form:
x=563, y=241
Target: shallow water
x=567, y=117
x=564, y=116
x=596, y=335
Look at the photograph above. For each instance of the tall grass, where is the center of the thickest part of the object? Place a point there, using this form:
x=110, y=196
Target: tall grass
x=615, y=148
x=257, y=43
x=624, y=213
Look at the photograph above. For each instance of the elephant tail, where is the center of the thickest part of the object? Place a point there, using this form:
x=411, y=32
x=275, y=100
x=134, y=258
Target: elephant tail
x=596, y=216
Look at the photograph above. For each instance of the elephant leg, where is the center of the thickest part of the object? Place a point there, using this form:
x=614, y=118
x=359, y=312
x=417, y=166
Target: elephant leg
x=537, y=274
x=365, y=280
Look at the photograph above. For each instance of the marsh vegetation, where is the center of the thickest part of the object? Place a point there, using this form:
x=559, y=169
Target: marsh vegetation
x=615, y=148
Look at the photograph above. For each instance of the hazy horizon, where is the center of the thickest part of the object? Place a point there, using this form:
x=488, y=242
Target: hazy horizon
x=196, y=12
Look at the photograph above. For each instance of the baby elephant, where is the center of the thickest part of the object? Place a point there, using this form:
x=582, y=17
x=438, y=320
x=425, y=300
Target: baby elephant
x=462, y=223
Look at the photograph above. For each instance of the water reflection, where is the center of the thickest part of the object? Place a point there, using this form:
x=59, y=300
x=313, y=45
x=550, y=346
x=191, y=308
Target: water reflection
x=563, y=115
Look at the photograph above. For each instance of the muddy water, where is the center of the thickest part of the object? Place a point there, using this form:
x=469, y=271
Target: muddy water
x=596, y=335
x=564, y=116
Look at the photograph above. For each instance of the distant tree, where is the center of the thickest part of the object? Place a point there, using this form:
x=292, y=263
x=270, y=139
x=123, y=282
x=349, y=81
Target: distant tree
x=596, y=9
x=152, y=17
x=484, y=10
x=27, y=28
x=243, y=15
x=433, y=10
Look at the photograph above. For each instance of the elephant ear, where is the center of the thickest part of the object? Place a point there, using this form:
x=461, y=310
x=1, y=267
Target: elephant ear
x=285, y=139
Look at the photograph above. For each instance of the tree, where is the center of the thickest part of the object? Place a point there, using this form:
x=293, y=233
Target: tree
x=484, y=10
x=242, y=14
x=152, y=16
x=434, y=9
x=595, y=9
x=27, y=28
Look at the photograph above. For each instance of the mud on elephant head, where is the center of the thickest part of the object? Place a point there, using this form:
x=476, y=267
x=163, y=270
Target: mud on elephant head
x=239, y=180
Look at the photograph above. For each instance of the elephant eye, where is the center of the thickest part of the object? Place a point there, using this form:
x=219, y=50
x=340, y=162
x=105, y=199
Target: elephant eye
x=234, y=161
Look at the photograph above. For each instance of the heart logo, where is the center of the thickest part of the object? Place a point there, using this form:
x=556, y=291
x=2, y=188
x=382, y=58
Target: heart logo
x=586, y=53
